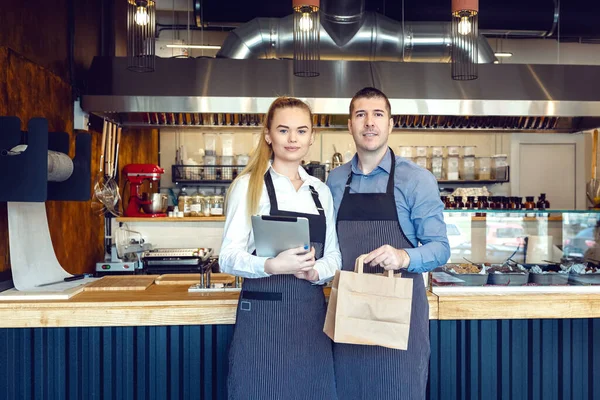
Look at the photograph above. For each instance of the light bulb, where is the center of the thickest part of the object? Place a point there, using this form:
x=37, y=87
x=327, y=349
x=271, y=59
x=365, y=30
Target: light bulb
x=464, y=26
x=141, y=16
x=306, y=23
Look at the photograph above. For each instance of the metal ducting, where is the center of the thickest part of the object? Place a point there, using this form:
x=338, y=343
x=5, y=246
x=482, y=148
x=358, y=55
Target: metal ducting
x=350, y=33
x=193, y=92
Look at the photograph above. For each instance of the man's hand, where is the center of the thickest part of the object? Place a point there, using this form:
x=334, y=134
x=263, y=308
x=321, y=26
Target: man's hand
x=388, y=258
x=310, y=275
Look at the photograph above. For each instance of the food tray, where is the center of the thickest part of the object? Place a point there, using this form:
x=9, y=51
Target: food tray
x=467, y=279
x=549, y=279
x=508, y=279
x=584, y=279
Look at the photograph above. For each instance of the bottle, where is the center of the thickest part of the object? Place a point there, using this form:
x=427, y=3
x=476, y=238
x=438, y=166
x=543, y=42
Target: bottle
x=470, y=204
x=542, y=203
x=444, y=200
x=529, y=203
x=451, y=203
x=460, y=205
x=519, y=203
x=482, y=203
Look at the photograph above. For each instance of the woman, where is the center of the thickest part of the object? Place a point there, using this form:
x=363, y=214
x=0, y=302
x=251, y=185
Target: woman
x=279, y=349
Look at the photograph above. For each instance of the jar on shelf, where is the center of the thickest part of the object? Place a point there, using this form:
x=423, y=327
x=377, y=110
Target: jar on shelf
x=437, y=167
x=421, y=151
x=485, y=168
x=437, y=151
x=217, y=205
x=444, y=200
x=468, y=173
x=452, y=168
x=406, y=152
x=184, y=202
x=227, y=168
x=500, y=167
x=197, y=205
x=529, y=203
x=453, y=151
x=470, y=203
x=469, y=151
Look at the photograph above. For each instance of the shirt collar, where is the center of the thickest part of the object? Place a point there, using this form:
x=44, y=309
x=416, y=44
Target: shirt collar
x=384, y=165
x=301, y=171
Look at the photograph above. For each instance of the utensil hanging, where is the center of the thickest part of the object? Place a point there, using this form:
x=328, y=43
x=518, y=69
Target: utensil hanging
x=99, y=187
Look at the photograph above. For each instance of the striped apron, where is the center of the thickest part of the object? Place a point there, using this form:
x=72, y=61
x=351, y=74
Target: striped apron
x=279, y=350
x=365, y=222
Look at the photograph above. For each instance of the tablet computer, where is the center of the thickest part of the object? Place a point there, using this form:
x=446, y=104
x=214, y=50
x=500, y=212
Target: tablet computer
x=274, y=234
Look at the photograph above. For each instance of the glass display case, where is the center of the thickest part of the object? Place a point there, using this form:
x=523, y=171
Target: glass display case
x=521, y=248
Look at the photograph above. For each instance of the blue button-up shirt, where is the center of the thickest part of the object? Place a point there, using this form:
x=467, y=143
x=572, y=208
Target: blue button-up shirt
x=417, y=201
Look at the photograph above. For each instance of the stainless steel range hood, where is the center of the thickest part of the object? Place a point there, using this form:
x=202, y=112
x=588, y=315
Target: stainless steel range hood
x=569, y=94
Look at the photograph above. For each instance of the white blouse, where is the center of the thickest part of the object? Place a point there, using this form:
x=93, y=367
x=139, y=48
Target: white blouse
x=238, y=239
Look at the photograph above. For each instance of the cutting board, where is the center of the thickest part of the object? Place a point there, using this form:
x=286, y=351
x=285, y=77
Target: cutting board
x=192, y=279
x=129, y=282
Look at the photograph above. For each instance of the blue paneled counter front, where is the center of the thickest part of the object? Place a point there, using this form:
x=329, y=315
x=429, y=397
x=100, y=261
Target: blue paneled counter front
x=166, y=343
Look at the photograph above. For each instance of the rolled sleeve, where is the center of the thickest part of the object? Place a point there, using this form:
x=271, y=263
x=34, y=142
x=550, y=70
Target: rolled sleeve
x=332, y=258
x=430, y=228
x=235, y=257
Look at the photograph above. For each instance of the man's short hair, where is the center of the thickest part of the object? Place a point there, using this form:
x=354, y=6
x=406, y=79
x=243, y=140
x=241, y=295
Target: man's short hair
x=370, y=93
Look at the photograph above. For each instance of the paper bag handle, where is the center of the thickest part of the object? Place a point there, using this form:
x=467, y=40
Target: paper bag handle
x=359, y=265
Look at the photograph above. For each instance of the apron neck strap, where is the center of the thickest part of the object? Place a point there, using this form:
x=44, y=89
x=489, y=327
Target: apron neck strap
x=390, y=184
x=273, y=196
x=315, y=196
x=271, y=192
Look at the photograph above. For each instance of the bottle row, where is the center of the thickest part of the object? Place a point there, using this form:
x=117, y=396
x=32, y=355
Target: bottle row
x=495, y=203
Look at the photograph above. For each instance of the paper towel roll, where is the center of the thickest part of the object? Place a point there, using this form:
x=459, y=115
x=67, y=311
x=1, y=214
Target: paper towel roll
x=60, y=165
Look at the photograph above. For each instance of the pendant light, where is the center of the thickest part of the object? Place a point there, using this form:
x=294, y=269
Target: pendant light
x=141, y=25
x=465, y=32
x=307, y=31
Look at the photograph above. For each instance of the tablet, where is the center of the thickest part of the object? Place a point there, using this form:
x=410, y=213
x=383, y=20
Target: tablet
x=274, y=234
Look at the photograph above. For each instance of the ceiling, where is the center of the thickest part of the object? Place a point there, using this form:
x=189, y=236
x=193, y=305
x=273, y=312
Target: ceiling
x=577, y=19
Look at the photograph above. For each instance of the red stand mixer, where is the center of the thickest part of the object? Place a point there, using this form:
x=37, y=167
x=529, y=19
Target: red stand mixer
x=152, y=207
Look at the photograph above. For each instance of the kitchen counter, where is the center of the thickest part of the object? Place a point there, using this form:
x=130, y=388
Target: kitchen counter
x=174, y=305
x=157, y=305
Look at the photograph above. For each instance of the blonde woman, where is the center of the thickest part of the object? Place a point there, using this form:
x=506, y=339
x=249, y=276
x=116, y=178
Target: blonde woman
x=279, y=349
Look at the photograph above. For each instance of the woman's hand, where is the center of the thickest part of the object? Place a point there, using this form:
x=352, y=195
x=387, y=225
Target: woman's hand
x=311, y=275
x=291, y=261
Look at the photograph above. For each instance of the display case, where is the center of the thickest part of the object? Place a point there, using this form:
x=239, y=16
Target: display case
x=521, y=250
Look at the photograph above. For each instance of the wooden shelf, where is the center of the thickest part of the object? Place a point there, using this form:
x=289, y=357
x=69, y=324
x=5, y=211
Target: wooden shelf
x=172, y=219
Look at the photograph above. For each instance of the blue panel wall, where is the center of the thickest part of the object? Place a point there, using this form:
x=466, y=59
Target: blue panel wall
x=496, y=359
x=175, y=362
x=515, y=359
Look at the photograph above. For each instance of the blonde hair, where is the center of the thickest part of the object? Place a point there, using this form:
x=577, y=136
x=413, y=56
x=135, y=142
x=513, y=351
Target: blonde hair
x=259, y=160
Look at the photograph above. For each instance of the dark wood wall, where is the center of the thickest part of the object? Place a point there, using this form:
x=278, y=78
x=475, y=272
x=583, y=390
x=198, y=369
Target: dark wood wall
x=39, y=78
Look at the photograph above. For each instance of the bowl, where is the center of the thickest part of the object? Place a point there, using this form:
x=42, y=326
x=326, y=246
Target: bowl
x=158, y=203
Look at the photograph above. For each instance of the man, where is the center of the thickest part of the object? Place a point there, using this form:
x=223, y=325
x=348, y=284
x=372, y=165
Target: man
x=386, y=206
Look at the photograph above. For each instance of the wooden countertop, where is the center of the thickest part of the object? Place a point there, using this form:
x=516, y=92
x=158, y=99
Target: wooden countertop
x=174, y=305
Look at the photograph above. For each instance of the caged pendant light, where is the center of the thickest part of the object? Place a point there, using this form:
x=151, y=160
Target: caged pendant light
x=307, y=30
x=465, y=32
x=141, y=26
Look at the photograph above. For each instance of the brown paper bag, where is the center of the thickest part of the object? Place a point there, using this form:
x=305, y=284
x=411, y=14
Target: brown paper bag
x=369, y=309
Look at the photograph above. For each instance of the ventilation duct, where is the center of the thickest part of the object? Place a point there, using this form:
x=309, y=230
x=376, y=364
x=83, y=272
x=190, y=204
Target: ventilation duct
x=350, y=33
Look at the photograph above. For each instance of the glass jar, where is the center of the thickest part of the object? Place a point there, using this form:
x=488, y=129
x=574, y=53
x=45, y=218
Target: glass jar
x=184, y=202
x=197, y=205
x=500, y=168
x=437, y=164
x=217, y=205
x=468, y=173
x=484, y=170
x=452, y=168
x=460, y=205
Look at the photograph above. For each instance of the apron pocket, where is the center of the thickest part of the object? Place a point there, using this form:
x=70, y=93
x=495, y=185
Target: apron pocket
x=268, y=296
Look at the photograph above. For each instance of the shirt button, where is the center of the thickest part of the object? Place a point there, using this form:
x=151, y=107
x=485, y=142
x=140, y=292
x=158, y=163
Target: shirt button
x=365, y=177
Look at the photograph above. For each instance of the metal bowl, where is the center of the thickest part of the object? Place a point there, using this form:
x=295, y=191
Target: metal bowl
x=158, y=205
